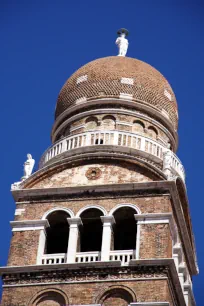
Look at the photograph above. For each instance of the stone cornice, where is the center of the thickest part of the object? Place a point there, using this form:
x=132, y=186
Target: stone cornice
x=157, y=188
x=129, y=189
x=138, y=269
x=28, y=225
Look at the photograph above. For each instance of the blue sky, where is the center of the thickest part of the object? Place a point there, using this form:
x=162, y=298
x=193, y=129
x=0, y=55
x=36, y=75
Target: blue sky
x=44, y=42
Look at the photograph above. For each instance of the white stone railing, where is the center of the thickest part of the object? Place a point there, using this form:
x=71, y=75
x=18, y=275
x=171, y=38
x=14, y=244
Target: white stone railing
x=123, y=255
x=87, y=256
x=114, y=138
x=51, y=259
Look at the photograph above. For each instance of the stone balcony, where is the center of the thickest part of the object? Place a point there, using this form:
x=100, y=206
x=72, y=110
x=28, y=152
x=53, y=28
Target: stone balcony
x=151, y=149
x=124, y=256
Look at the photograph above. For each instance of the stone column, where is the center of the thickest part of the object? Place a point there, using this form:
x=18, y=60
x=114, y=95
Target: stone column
x=73, y=238
x=106, y=238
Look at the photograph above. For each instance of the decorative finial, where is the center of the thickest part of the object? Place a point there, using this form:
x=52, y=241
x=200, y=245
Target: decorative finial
x=122, y=42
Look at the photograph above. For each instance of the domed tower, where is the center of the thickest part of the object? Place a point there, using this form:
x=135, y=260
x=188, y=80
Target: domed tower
x=105, y=220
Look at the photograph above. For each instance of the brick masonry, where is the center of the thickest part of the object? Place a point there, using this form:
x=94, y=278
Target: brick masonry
x=91, y=293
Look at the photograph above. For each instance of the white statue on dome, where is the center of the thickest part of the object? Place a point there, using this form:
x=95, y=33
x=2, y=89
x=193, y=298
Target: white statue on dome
x=122, y=42
x=28, y=166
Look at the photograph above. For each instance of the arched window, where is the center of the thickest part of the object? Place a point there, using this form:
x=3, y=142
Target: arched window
x=152, y=132
x=138, y=126
x=125, y=229
x=50, y=298
x=91, y=123
x=57, y=232
x=108, y=122
x=91, y=231
x=116, y=296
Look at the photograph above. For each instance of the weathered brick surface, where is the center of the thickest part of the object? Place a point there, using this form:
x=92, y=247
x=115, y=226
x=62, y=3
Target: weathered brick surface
x=157, y=204
x=90, y=293
x=110, y=174
x=155, y=241
x=23, y=248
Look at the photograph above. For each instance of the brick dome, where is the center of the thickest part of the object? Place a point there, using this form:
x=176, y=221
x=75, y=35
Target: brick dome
x=110, y=76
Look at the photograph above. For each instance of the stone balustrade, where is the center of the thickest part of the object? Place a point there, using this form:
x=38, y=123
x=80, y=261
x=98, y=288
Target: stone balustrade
x=51, y=259
x=113, y=138
x=123, y=255
x=85, y=257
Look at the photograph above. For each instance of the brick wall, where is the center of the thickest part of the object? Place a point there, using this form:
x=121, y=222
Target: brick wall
x=95, y=292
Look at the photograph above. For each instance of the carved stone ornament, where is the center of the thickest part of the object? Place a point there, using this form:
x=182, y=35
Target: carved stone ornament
x=93, y=173
x=85, y=275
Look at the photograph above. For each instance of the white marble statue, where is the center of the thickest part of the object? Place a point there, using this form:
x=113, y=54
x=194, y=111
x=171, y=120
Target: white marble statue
x=28, y=166
x=167, y=163
x=122, y=43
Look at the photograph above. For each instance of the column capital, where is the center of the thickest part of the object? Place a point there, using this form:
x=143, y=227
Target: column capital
x=74, y=221
x=108, y=219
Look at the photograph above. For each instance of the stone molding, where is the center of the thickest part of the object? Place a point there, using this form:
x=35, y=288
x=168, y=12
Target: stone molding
x=29, y=225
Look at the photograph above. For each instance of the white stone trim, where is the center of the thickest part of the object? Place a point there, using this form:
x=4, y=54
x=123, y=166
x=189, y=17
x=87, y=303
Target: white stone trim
x=77, y=127
x=135, y=207
x=41, y=247
x=102, y=209
x=150, y=304
x=167, y=94
x=67, y=210
x=128, y=81
x=124, y=123
x=125, y=96
x=81, y=100
x=137, y=251
x=28, y=225
x=153, y=218
x=19, y=211
x=165, y=113
x=73, y=238
x=159, y=218
x=82, y=78
x=107, y=221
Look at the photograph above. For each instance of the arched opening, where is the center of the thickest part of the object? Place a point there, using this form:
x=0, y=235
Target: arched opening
x=108, y=122
x=116, y=297
x=57, y=233
x=152, y=132
x=125, y=229
x=138, y=126
x=91, y=123
x=50, y=298
x=91, y=231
